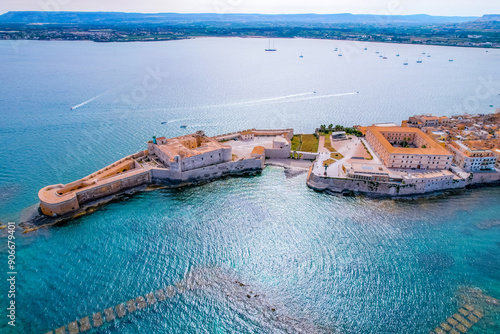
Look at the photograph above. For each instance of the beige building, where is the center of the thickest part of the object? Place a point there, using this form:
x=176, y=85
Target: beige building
x=368, y=172
x=472, y=157
x=404, y=147
x=496, y=152
x=247, y=135
x=424, y=121
x=189, y=152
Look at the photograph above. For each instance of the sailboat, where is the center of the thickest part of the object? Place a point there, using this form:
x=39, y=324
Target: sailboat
x=419, y=61
x=406, y=62
x=301, y=56
x=269, y=46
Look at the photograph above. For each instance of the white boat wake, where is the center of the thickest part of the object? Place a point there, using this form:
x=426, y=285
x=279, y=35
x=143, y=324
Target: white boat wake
x=279, y=99
x=102, y=94
x=272, y=100
x=88, y=101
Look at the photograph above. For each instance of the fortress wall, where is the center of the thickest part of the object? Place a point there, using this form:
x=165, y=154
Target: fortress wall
x=113, y=187
x=61, y=207
x=228, y=136
x=203, y=174
x=206, y=159
x=379, y=188
x=278, y=153
x=485, y=177
x=165, y=159
x=227, y=154
x=219, y=170
x=166, y=176
x=309, y=156
x=277, y=132
x=114, y=164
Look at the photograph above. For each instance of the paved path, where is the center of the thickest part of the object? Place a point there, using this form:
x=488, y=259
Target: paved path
x=289, y=163
x=348, y=148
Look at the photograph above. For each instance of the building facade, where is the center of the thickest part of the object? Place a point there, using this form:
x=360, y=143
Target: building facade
x=472, y=159
x=409, y=148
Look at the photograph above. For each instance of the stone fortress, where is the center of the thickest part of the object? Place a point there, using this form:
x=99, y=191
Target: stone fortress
x=425, y=154
x=174, y=162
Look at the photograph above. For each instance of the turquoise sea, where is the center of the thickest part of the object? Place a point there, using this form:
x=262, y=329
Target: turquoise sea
x=324, y=263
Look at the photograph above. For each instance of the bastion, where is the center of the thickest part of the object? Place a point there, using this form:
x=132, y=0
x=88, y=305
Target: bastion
x=174, y=162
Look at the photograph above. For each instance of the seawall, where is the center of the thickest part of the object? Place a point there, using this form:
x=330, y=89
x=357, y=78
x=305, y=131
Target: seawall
x=392, y=189
x=89, y=200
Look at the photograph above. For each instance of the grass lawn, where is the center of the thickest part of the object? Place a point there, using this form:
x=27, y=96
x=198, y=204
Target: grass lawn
x=309, y=143
x=295, y=142
x=328, y=144
x=337, y=156
x=328, y=162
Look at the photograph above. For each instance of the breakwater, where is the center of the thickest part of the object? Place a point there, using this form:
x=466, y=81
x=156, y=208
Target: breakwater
x=215, y=282
x=460, y=322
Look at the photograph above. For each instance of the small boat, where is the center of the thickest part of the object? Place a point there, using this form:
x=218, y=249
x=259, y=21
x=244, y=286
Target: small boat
x=183, y=126
x=450, y=60
x=428, y=56
x=397, y=55
x=367, y=49
x=314, y=92
x=164, y=122
x=384, y=57
x=491, y=106
x=336, y=49
x=269, y=48
x=340, y=54
x=423, y=53
x=377, y=52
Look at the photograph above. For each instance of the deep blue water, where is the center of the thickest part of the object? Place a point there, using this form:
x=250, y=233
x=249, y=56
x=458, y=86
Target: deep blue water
x=325, y=263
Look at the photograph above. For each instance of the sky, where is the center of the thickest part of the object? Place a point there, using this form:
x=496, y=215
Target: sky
x=379, y=7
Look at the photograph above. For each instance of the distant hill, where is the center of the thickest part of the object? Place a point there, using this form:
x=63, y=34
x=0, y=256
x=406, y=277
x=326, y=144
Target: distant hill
x=118, y=18
x=489, y=17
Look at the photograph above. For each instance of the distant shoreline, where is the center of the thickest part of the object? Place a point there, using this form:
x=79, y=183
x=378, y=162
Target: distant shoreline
x=245, y=37
x=471, y=31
